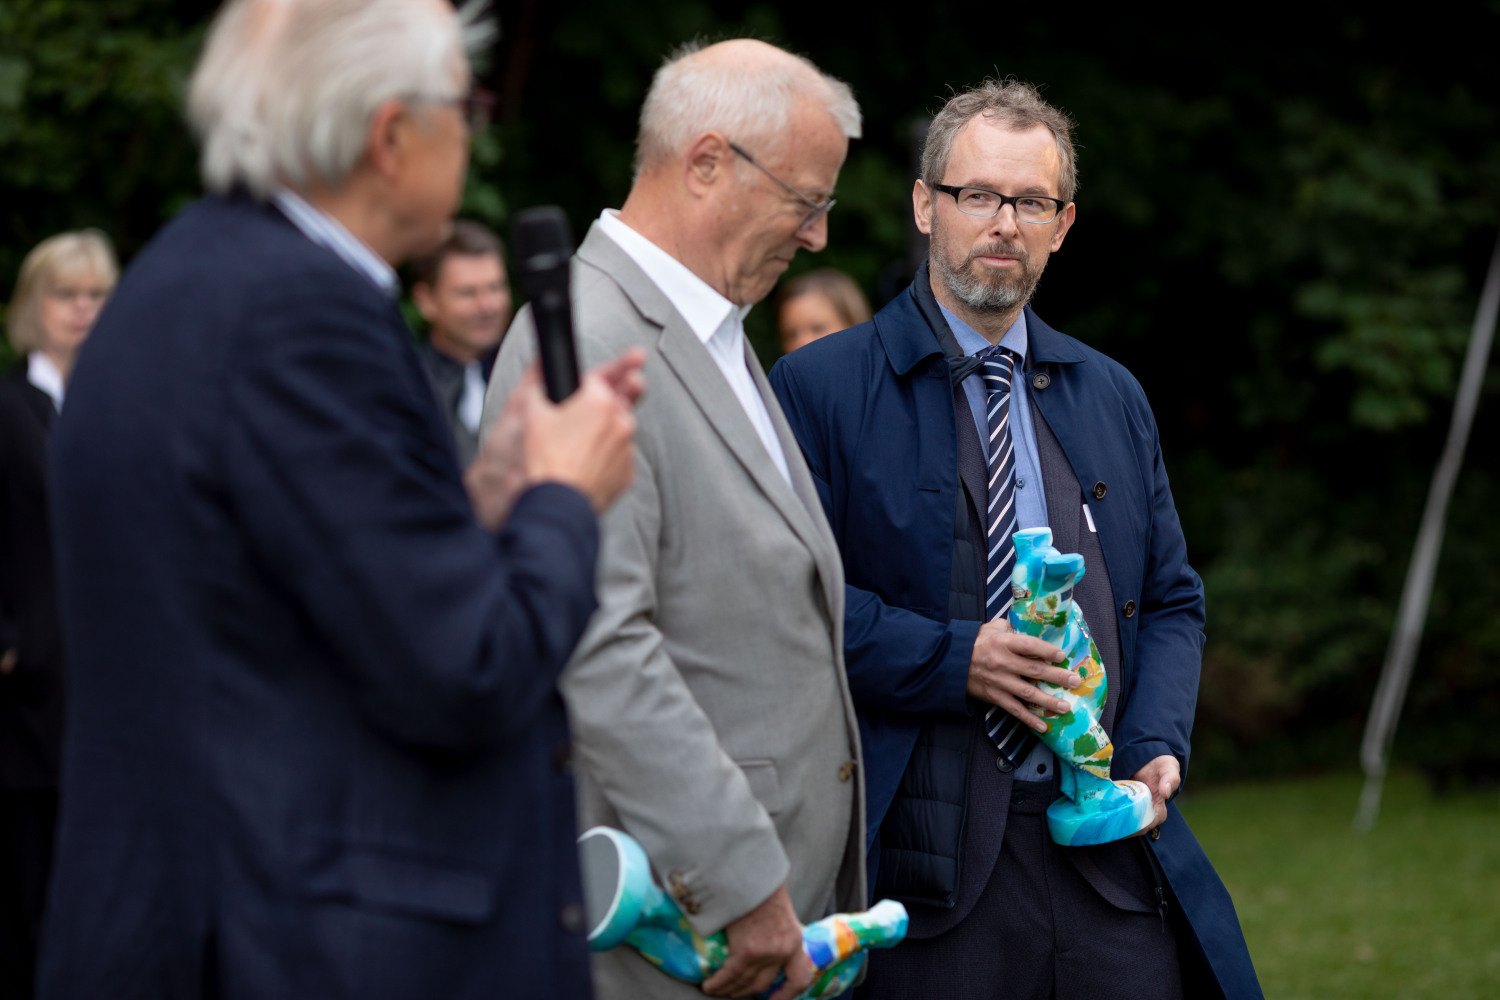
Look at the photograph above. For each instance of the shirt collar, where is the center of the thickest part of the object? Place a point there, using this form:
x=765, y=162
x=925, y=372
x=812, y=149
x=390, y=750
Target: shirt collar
x=42, y=373
x=327, y=232
x=971, y=341
x=704, y=309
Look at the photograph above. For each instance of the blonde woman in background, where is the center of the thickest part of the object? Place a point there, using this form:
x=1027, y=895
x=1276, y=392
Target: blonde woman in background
x=62, y=286
x=816, y=304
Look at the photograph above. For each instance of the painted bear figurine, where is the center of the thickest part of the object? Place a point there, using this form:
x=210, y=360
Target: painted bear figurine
x=1093, y=809
x=626, y=906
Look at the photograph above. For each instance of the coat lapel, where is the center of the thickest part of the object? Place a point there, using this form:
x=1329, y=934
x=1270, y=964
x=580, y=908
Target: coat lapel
x=808, y=519
x=689, y=360
x=690, y=363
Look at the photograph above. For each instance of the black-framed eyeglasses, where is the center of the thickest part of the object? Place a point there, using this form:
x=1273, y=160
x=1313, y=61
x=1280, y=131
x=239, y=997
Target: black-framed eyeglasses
x=818, y=209
x=1033, y=208
x=477, y=106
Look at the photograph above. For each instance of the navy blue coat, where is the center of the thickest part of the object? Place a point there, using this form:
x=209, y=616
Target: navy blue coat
x=873, y=410
x=315, y=747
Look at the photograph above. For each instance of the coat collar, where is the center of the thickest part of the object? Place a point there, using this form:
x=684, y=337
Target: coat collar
x=1048, y=346
x=912, y=329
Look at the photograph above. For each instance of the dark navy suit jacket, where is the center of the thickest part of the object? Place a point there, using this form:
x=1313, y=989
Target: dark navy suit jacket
x=315, y=747
x=873, y=410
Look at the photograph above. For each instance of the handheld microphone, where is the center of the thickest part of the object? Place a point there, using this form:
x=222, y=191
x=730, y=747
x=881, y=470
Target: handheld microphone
x=544, y=245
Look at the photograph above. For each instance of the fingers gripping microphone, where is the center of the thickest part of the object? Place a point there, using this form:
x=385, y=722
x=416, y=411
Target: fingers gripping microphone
x=543, y=246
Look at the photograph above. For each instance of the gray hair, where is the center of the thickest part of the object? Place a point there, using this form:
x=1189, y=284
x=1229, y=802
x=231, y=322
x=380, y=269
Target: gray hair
x=1012, y=104
x=285, y=89
x=691, y=96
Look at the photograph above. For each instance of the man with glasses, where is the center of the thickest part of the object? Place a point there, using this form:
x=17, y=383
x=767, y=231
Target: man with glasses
x=709, y=708
x=935, y=432
x=314, y=743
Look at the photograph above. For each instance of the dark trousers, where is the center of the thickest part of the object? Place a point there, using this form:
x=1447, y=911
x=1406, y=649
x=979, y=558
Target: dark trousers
x=28, y=820
x=1039, y=931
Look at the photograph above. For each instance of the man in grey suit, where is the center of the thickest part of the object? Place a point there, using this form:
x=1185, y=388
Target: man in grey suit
x=709, y=708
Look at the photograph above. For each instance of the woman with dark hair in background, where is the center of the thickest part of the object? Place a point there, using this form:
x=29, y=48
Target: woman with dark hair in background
x=61, y=288
x=816, y=304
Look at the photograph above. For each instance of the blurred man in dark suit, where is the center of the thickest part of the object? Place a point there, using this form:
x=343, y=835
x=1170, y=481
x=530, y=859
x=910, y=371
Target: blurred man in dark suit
x=462, y=292
x=315, y=746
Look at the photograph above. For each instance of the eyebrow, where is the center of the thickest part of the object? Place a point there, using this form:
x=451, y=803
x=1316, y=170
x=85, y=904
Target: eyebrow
x=1031, y=189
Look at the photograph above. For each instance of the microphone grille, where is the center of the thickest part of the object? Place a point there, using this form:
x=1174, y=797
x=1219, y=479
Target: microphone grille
x=542, y=232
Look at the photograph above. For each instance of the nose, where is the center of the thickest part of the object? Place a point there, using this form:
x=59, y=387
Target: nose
x=815, y=236
x=1004, y=223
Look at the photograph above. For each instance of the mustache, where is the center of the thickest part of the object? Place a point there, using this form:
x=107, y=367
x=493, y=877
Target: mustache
x=1015, y=250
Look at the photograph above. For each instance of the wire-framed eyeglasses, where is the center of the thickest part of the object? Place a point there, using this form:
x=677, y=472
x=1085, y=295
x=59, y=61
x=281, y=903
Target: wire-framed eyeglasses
x=476, y=106
x=817, y=209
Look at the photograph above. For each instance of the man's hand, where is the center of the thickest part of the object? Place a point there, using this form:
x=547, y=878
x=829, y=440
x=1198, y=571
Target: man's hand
x=1004, y=666
x=762, y=943
x=1162, y=775
x=498, y=473
x=585, y=442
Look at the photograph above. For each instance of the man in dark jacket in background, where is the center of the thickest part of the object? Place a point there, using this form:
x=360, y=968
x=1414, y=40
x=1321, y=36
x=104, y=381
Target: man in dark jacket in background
x=953, y=419
x=462, y=292
x=315, y=746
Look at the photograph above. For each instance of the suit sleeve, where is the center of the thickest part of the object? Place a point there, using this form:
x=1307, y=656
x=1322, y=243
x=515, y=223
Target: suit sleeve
x=897, y=660
x=451, y=637
x=638, y=731
x=1158, y=718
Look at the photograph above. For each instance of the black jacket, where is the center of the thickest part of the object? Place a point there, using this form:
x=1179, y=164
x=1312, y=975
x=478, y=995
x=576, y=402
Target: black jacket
x=31, y=698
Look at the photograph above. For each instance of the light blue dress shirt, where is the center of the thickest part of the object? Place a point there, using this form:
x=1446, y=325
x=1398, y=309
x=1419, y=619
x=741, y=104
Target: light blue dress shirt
x=1031, y=498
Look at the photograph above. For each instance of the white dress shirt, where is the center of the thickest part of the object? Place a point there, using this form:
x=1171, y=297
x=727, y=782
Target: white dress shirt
x=471, y=400
x=42, y=373
x=718, y=323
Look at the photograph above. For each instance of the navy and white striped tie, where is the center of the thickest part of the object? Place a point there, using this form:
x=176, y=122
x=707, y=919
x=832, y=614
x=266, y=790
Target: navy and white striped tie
x=1012, y=737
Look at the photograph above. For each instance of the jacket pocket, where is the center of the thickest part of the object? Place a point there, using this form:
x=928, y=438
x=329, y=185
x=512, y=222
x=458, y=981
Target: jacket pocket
x=765, y=784
x=400, y=881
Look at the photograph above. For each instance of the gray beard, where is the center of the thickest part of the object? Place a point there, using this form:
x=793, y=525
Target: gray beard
x=989, y=293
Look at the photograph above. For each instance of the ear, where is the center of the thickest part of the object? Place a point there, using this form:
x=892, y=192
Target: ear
x=422, y=298
x=921, y=207
x=706, y=162
x=1064, y=223
x=385, y=141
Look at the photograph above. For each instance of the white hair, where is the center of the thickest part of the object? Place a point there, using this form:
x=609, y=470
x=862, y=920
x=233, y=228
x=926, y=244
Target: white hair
x=285, y=89
x=690, y=96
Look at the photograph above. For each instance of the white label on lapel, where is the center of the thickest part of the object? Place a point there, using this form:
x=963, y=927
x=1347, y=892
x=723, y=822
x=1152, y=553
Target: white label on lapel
x=1090, y=519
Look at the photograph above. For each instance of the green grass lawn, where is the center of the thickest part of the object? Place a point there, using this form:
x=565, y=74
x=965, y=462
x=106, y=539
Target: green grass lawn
x=1411, y=909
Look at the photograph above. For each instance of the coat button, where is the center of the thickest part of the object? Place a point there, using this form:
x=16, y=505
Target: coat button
x=1004, y=765
x=1099, y=490
x=846, y=770
x=562, y=759
x=1129, y=609
x=1040, y=381
x=571, y=918
x=1155, y=833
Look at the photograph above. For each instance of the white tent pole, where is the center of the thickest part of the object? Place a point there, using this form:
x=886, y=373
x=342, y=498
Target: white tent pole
x=1395, y=676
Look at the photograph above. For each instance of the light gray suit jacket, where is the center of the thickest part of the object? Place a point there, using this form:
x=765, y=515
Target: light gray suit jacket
x=710, y=713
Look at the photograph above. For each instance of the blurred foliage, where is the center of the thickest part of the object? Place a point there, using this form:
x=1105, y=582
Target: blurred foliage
x=1282, y=223
x=91, y=129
